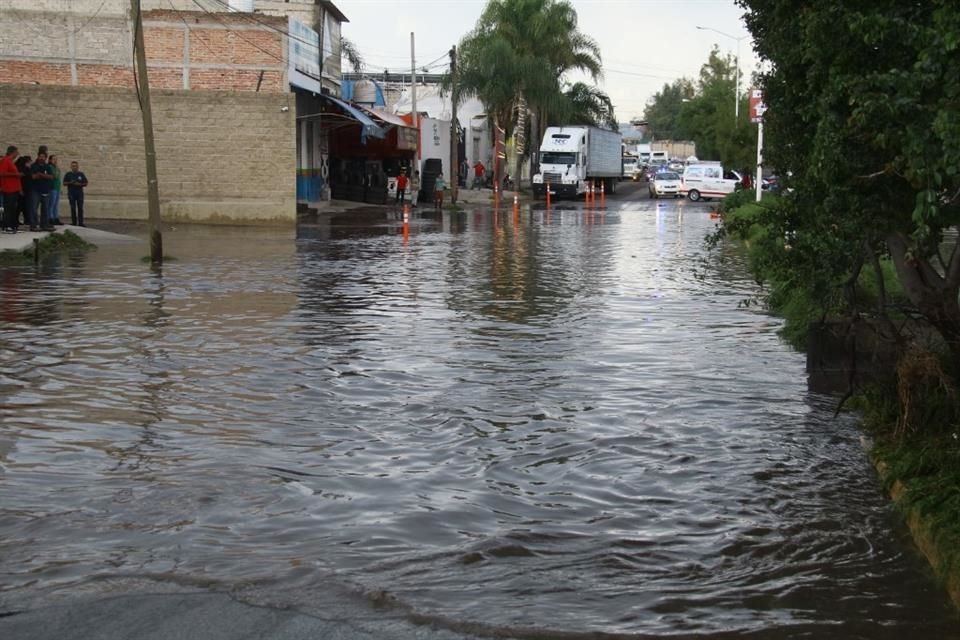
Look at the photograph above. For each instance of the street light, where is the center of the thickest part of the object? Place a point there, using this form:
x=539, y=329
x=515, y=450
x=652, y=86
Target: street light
x=736, y=108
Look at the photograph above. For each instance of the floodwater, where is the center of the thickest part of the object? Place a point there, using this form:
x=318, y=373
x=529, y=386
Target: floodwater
x=559, y=422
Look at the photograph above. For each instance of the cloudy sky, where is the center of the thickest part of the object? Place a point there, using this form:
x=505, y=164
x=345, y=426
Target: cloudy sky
x=645, y=43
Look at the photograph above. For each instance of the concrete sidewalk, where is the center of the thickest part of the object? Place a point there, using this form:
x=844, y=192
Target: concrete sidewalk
x=206, y=616
x=24, y=239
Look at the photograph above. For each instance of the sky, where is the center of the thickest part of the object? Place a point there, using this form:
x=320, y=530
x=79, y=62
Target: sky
x=644, y=43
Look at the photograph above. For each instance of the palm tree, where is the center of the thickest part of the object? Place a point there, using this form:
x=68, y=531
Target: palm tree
x=349, y=52
x=516, y=56
x=588, y=105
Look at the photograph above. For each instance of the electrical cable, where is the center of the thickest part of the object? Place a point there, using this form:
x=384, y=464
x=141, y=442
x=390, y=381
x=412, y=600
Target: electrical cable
x=90, y=19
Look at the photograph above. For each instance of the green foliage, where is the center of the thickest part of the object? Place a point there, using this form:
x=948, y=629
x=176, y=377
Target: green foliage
x=520, y=52
x=584, y=104
x=56, y=243
x=703, y=110
x=862, y=112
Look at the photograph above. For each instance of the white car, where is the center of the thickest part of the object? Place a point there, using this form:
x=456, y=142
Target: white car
x=665, y=183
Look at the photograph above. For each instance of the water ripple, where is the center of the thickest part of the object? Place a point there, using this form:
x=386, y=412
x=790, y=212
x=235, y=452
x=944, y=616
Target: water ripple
x=551, y=426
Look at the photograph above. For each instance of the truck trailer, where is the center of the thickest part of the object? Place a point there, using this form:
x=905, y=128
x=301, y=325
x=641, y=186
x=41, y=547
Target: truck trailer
x=574, y=157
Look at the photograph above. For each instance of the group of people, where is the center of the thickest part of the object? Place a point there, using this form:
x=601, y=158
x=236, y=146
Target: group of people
x=30, y=191
x=439, y=185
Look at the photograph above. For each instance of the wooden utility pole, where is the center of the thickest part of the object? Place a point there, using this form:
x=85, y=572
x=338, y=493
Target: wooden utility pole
x=143, y=95
x=454, y=128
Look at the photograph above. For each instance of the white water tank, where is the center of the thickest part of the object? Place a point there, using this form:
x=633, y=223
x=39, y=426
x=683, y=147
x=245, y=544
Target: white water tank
x=241, y=5
x=365, y=92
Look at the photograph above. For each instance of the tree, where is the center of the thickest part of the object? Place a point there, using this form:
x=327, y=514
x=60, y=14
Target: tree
x=350, y=53
x=863, y=114
x=703, y=111
x=515, y=59
x=587, y=105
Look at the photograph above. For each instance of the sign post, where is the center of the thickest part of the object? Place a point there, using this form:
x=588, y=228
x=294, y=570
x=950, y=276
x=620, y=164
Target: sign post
x=757, y=109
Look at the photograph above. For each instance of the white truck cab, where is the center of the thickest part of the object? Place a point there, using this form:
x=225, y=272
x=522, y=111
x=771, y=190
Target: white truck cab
x=572, y=158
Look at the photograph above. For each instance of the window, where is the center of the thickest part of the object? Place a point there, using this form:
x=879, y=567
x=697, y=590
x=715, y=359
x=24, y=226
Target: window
x=712, y=173
x=558, y=157
x=695, y=172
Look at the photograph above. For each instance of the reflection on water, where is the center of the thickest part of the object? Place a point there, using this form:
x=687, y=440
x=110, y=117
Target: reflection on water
x=557, y=420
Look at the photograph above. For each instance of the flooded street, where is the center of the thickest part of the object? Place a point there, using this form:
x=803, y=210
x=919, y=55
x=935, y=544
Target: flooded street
x=557, y=421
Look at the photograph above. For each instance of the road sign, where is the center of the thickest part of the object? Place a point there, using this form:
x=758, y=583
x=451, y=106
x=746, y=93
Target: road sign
x=757, y=108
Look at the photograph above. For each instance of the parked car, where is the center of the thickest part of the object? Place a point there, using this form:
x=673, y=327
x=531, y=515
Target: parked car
x=708, y=180
x=665, y=183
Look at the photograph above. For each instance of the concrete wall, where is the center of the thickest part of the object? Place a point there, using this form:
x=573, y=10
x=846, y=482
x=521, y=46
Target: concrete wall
x=222, y=156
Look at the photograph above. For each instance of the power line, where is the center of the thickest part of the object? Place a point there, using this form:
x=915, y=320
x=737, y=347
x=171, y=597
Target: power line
x=252, y=44
x=90, y=19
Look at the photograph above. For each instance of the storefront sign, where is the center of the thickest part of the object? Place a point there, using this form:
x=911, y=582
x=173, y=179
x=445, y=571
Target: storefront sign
x=304, y=57
x=757, y=107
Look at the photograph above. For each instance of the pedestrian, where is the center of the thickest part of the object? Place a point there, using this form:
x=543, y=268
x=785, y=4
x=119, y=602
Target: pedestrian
x=464, y=171
x=42, y=185
x=53, y=213
x=26, y=189
x=76, y=182
x=415, y=188
x=478, y=171
x=401, y=188
x=438, y=186
x=10, y=190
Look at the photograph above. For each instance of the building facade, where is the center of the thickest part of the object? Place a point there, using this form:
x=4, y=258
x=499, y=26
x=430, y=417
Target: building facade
x=229, y=146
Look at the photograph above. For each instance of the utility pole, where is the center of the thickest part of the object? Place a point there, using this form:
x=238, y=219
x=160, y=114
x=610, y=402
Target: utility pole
x=454, y=128
x=414, y=117
x=153, y=191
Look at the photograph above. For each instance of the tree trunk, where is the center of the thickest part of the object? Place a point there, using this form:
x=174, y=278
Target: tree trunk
x=936, y=297
x=519, y=138
x=535, y=129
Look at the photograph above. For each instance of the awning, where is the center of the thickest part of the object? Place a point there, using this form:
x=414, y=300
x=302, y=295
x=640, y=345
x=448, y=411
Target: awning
x=406, y=135
x=370, y=128
x=387, y=118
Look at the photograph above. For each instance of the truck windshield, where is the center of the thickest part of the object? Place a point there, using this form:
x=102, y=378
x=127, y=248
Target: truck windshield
x=556, y=157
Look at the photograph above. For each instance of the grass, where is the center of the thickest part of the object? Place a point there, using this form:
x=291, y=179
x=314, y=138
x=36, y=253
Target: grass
x=64, y=242
x=920, y=467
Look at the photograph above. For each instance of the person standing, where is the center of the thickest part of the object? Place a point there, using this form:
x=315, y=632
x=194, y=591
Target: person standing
x=26, y=189
x=10, y=190
x=42, y=185
x=414, y=188
x=401, y=188
x=76, y=182
x=438, y=186
x=478, y=171
x=53, y=213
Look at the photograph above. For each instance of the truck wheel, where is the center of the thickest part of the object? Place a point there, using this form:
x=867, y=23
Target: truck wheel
x=694, y=195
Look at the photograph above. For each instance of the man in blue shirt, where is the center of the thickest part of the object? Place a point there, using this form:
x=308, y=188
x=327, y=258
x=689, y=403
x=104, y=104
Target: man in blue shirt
x=42, y=182
x=75, y=181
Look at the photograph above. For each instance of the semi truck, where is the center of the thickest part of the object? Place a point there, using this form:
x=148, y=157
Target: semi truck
x=573, y=157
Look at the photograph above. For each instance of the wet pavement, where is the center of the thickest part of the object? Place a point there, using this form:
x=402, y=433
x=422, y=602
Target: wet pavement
x=535, y=424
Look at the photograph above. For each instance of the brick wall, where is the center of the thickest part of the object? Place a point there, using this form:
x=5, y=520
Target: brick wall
x=84, y=43
x=222, y=156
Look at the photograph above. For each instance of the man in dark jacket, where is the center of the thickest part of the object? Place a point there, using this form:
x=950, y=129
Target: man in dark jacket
x=42, y=180
x=75, y=181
